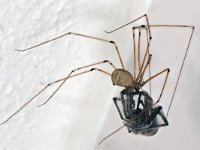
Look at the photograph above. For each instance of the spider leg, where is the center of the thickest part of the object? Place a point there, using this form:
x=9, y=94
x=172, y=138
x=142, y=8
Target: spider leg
x=134, y=55
x=147, y=35
x=154, y=76
x=54, y=82
x=70, y=75
x=76, y=34
x=111, y=134
x=139, y=39
x=147, y=21
x=147, y=53
x=133, y=29
x=185, y=55
x=141, y=74
x=184, y=58
x=138, y=51
x=142, y=66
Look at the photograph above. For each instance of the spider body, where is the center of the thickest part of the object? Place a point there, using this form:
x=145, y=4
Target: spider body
x=121, y=77
x=139, y=114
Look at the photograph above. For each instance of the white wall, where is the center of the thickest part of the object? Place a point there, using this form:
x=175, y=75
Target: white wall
x=82, y=112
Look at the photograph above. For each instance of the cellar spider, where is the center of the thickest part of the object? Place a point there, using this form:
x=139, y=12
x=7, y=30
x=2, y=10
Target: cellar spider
x=140, y=113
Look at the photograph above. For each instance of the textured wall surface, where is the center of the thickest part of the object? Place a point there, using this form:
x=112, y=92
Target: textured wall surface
x=82, y=112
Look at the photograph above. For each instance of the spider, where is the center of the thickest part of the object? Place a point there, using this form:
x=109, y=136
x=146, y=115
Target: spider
x=140, y=113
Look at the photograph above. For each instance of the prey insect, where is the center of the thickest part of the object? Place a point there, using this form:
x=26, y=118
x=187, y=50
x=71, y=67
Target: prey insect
x=140, y=113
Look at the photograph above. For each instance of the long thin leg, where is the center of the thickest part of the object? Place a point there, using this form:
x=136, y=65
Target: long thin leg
x=77, y=34
x=111, y=134
x=184, y=58
x=140, y=76
x=143, y=26
x=144, y=58
x=134, y=55
x=166, y=77
x=150, y=87
x=139, y=62
x=139, y=39
x=183, y=61
x=134, y=51
x=67, y=77
x=143, y=62
x=185, y=55
x=147, y=21
x=147, y=38
x=54, y=82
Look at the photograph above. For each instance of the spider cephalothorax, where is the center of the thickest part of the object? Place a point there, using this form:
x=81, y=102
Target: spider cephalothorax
x=124, y=78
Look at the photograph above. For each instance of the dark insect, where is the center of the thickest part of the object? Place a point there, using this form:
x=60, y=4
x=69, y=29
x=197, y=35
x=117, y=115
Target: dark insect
x=140, y=113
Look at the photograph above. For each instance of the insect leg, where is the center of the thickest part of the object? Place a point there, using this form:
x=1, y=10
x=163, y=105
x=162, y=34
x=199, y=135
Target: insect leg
x=152, y=127
x=166, y=123
x=54, y=82
x=115, y=99
x=118, y=109
x=157, y=111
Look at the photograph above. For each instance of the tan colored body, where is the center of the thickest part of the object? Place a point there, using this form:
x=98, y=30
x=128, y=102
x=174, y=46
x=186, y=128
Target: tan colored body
x=123, y=78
